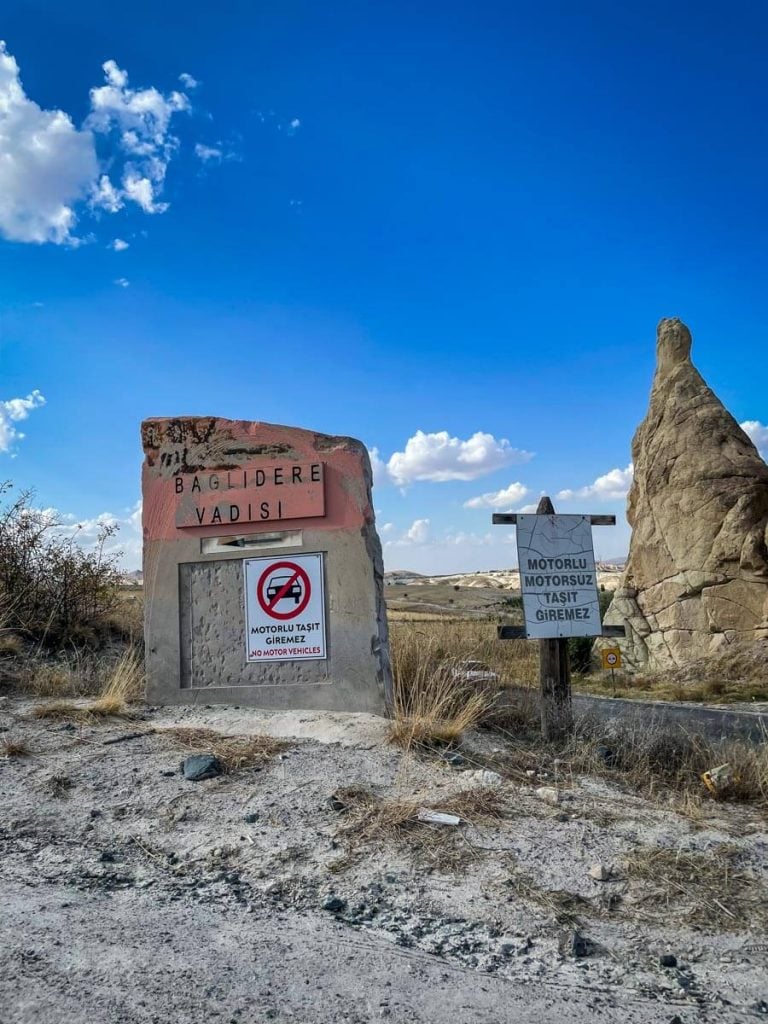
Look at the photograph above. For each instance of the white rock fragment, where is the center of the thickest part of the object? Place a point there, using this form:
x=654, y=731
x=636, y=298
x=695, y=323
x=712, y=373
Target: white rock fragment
x=483, y=777
x=600, y=872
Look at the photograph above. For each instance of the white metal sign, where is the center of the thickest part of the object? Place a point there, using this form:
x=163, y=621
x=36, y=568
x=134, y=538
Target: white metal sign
x=285, y=608
x=557, y=576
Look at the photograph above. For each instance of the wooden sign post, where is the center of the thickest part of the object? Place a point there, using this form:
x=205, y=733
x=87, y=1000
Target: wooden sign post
x=554, y=665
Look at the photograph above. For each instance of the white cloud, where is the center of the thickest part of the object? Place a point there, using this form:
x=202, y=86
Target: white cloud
x=105, y=196
x=125, y=542
x=46, y=165
x=418, y=532
x=758, y=434
x=504, y=499
x=13, y=411
x=208, y=153
x=378, y=467
x=143, y=192
x=123, y=282
x=49, y=167
x=611, y=486
x=438, y=457
x=188, y=81
x=119, y=245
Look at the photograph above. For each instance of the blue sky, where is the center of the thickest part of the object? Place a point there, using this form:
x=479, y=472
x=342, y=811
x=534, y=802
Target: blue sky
x=446, y=229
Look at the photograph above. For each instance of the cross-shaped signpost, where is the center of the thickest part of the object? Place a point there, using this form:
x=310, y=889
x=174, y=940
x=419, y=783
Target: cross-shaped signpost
x=558, y=581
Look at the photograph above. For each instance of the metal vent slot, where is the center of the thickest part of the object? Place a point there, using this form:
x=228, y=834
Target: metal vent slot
x=251, y=542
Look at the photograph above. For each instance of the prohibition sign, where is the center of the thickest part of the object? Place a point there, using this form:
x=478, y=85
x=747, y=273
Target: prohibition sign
x=611, y=658
x=293, y=574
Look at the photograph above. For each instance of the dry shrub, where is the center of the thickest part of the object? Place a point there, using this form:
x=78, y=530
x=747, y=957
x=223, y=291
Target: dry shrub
x=705, y=889
x=654, y=759
x=10, y=747
x=234, y=753
x=51, y=589
x=126, y=617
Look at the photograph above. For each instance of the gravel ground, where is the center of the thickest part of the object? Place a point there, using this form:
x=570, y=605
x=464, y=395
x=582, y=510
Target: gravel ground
x=130, y=894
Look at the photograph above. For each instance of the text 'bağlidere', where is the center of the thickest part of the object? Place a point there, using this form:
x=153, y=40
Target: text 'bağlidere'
x=274, y=492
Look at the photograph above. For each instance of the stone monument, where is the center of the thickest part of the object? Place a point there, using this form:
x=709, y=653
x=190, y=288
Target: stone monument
x=263, y=573
x=697, y=575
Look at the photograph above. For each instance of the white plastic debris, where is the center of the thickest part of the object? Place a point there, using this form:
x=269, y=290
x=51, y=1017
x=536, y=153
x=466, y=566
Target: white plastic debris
x=548, y=793
x=436, y=817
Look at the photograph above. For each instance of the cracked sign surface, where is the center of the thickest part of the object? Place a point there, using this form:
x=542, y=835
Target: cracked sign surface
x=557, y=576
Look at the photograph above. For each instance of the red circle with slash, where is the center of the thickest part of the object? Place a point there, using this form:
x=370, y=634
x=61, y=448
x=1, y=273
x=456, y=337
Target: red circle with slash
x=275, y=586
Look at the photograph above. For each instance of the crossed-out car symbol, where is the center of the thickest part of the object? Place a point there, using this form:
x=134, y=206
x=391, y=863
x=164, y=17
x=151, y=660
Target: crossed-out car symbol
x=277, y=583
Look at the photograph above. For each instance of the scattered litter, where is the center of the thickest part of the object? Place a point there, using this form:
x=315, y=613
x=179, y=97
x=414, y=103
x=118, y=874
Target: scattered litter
x=718, y=780
x=436, y=817
x=472, y=672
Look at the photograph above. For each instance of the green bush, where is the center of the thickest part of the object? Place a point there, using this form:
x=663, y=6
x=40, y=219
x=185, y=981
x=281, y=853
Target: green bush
x=580, y=653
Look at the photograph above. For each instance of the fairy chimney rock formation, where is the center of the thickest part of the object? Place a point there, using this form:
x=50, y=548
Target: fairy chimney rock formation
x=697, y=574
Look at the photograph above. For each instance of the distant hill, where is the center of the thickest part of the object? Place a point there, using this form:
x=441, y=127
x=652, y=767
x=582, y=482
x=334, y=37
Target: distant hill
x=608, y=575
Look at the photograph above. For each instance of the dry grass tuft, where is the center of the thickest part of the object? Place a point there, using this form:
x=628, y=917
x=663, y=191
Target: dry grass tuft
x=564, y=906
x=14, y=748
x=704, y=889
x=58, y=784
x=371, y=820
x=433, y=703
x=234, y=753
x=63, y=711
x=655, y=759
x=10, y=642
x=124, y=684
x=53, y=679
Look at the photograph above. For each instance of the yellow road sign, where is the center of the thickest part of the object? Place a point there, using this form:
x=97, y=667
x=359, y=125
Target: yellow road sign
x=611, y=657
